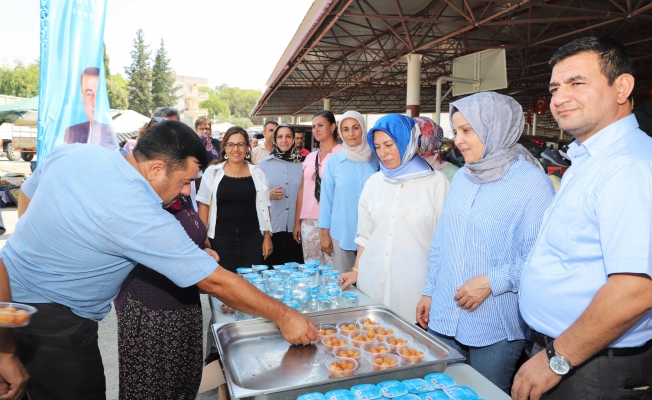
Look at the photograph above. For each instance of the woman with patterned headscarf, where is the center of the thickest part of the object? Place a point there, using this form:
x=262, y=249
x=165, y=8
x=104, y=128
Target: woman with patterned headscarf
x=430, y=140
x=488, y=225
x=283, y=171
x=397, y=214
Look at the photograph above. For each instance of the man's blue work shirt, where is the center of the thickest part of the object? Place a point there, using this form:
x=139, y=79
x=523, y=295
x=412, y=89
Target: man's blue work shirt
x=600, y=223
x=91, y=219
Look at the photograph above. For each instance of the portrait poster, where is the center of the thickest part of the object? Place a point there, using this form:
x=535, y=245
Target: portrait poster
x=73, y=100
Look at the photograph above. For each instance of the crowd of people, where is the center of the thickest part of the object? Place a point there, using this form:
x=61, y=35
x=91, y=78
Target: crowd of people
x=489, y=258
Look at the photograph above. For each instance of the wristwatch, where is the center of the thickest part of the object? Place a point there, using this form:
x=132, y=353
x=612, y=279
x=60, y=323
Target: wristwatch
x=267, y=233
x=558, y=363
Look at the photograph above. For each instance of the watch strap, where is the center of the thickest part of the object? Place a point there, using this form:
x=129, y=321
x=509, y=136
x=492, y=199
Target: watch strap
x=550, y=350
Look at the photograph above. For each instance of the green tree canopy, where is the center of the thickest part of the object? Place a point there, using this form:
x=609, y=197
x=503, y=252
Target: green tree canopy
x=117, y=89
x=163, y=80
x=107, y=70
x=239, y=101
x=20, y=80
x=214, y=104
x=139, y=76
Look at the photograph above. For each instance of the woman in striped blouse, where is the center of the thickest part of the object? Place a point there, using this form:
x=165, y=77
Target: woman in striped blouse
x=488, y=225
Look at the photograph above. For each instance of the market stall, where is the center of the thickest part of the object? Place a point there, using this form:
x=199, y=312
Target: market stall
x=259, y=364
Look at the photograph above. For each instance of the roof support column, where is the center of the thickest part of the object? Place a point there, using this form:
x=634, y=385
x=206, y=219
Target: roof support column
x=327, y=104
x=413, y=97
x=293, y=119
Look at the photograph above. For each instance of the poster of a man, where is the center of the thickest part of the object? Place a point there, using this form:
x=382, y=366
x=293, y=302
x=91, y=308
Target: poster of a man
x=91, y=131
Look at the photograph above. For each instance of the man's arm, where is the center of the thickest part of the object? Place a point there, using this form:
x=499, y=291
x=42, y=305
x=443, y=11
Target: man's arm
x=240, y=294
x=13, y=376
x=23, y=203
x=616, y=307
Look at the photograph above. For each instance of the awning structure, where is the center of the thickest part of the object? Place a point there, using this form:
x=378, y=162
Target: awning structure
x=353, y=52
x=20, y=113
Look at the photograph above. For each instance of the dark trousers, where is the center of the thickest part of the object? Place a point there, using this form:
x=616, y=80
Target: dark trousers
x=605, y=377
x=286, y=249
x=239, y=249
x=60, y=352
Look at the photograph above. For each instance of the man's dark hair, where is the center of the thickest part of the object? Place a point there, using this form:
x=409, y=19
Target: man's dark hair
x=173, y=142
x=90, y=71
x=269, y=122
x=614, y=57
x=202, y=121
x=166, y=112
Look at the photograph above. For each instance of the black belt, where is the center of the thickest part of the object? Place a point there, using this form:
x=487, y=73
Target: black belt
x=543, y=340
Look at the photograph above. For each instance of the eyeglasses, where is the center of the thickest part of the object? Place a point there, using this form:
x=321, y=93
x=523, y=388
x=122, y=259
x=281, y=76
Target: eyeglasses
x=204, y=128
x=230, y=145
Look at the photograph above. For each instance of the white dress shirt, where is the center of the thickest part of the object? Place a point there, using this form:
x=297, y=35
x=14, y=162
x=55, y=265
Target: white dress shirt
x=395, y=226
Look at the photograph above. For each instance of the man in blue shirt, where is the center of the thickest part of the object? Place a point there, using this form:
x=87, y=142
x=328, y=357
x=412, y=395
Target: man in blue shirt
x=586, y=291
x=87, y=217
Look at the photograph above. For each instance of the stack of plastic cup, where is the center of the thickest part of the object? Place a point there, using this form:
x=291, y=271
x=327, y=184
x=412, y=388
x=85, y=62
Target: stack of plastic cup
x=299, y=288
x=276, y=287
x=260, y=268
x=331, y=285
x=348, y=300
x=270, y=273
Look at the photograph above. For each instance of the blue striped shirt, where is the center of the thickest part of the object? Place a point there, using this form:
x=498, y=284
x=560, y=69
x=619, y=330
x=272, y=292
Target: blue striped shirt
x=486, y=229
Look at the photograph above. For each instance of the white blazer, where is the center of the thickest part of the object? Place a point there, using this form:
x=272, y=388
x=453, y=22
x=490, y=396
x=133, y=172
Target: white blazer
x=211, y=179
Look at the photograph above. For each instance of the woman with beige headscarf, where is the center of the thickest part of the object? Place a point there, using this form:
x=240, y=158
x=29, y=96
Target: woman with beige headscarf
x=344, y=177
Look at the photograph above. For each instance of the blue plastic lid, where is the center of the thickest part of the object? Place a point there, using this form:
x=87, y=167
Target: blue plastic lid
x=276, y=279
x=366, y=391
x=323, y=298
x=408, y=396
x=350, y=295
x=312, y=396
x=312, y=262
x=439, y=380
x=417, y=386
x=391, y=389
x=340, y=394
x=244, y=270
x=461, y=393
x=434, y=395
x=260, y=267
x=280, y=267
x=331, y=272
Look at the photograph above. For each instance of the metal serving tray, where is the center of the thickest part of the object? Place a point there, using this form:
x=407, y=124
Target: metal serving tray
x=259, y=364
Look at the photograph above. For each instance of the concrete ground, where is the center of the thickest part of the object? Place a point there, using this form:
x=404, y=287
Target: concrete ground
x=108, y=329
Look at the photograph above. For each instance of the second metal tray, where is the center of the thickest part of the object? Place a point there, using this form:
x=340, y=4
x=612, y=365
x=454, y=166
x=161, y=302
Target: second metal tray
x=260, y=364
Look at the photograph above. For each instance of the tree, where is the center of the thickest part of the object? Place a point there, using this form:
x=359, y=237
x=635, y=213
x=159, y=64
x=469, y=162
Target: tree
x=107, y=70
x=118, y=92
x=163, y=79
x=214, y=104
x=21, y=80
x=239, y=101
x=139, y=76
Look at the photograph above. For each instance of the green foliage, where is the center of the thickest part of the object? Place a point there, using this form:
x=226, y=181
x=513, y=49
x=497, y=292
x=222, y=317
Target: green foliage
x=163, y=77
x=21, y=80
x=139, y=76
x=116, y=87
x=214, y=104
x=107, y=70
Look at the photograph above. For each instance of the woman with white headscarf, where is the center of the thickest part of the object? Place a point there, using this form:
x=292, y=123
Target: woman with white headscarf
x=488, y=225
x=397, y=214
x=344, y=177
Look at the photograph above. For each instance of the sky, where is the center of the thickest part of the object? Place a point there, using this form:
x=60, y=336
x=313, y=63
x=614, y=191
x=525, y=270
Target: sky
x=237, y=42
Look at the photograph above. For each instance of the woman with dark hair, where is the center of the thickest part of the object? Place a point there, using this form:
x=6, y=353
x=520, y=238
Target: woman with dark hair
x=344, y=177
x=306, y=231
x=283, y=171
x=234, y=205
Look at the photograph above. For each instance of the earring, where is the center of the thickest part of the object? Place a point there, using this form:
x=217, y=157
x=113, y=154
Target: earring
x=226, y=156
x=247, y=156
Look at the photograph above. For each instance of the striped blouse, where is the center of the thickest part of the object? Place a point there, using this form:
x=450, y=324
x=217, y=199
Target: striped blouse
x=486, y=229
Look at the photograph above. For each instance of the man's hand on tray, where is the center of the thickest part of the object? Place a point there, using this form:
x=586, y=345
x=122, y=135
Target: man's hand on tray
x=297, y=328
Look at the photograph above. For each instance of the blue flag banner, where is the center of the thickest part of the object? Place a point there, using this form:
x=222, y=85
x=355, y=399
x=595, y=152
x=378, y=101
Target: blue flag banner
x=73, y=101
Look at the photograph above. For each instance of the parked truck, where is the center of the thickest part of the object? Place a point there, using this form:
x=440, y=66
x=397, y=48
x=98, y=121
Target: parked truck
x=18, y=142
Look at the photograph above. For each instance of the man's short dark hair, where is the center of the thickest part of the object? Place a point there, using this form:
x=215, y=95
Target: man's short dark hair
x=166, y=112
x=614, y=57
x=202, y=121
x=173, y=142
x=90, y=71
x=269, y=122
